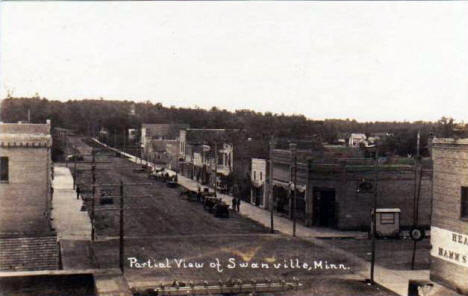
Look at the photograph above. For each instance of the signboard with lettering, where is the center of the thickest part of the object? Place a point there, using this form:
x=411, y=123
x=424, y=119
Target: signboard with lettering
x=449, y=246
x=197, y=159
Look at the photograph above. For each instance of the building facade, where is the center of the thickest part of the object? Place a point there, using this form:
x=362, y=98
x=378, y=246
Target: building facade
x=27, y=241
x=25, y=184
x=327, y=190
x=449, y=228
x=160, y=143
x=258, y=177
x=205, y=155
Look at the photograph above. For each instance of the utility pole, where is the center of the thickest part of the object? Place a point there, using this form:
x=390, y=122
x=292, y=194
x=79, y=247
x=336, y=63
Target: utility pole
x=93, y=172
x=272, y=143
x=294, y=154
x=121, y=233
x=216, y=168
x=66, y=148
x=418, y=144
x=124, y=140
x=74, y=173
x=417, y=192
x=374, y=214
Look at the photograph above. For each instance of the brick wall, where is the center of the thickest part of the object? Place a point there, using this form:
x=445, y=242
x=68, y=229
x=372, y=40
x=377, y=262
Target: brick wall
x=24, y=199
x=396, y=189
x=450, y=163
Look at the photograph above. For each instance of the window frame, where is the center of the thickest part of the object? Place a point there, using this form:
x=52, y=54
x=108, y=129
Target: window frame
x=464, y=201
x=7, y=171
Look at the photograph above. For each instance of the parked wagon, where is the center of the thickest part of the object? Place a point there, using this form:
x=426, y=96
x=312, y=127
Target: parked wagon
x=106, y=197
x=216, y=206
x=189, y=194
x=221, y=210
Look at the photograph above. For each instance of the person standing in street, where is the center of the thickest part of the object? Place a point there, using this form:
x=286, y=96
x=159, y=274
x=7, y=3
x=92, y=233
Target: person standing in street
x=238, y=205
x=234, y=204
x=78, y=191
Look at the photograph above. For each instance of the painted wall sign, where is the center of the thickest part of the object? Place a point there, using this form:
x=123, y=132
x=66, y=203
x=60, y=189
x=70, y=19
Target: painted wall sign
x=449, y=246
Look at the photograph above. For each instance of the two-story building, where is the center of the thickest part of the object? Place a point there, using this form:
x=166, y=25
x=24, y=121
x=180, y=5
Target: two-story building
x=449, y=227
x=27, y=241
x=206, y=154
x=160, y=143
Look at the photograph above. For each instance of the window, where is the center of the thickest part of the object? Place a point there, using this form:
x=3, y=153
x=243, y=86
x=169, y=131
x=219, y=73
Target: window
x=261, y=176
x=4, y=169
x=464, y=203
x=255, y=175
x=387, y=218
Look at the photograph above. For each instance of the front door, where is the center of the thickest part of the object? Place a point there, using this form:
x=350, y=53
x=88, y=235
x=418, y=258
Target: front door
x=324, y=208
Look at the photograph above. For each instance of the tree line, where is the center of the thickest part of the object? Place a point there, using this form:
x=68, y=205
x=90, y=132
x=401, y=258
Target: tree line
x=87, y=117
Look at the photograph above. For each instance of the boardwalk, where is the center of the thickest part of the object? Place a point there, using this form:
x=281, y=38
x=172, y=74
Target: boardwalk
x=69, y=221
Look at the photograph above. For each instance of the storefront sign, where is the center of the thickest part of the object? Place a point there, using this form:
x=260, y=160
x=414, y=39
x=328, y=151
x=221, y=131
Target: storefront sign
x=449, y=246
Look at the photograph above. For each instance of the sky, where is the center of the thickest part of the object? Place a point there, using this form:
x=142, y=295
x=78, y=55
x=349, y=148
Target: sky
x=364, y=60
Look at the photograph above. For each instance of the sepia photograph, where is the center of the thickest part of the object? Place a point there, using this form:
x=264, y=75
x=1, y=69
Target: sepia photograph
x=256, y=148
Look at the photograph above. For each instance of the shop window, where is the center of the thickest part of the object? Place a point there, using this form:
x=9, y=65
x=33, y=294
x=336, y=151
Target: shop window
x=464, y=203
x=4, y=169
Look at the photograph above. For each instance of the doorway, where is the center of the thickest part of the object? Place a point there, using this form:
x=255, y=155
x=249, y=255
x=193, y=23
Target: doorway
x=324, y=207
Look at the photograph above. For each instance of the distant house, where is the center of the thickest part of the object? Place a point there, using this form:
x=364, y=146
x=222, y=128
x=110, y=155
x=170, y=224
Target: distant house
x=356, y=139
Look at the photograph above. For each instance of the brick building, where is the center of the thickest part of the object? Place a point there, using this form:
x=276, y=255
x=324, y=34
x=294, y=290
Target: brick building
x=327, y=195
x=25, y=187
x=449, y=228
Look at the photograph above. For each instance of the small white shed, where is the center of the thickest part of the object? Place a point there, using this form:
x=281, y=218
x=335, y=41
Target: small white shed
x=387, y=222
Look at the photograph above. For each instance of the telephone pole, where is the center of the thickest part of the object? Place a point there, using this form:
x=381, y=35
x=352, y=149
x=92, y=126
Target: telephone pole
x=294, y=184
x=93, y=173
x=123, y=140
x=121, y=233
x=216, y=168
x=272, y=143
x=374, y=214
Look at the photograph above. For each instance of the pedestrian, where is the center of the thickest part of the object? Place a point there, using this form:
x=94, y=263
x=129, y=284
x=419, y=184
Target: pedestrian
x=238, y=205
x=199, y=194
x=234, y=203
x=78, y=191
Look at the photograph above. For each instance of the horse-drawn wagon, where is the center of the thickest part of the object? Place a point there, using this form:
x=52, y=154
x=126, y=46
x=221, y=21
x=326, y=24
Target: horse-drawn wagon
x=216, y=206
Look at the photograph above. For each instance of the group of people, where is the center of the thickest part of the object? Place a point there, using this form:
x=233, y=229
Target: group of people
x=236, y=204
